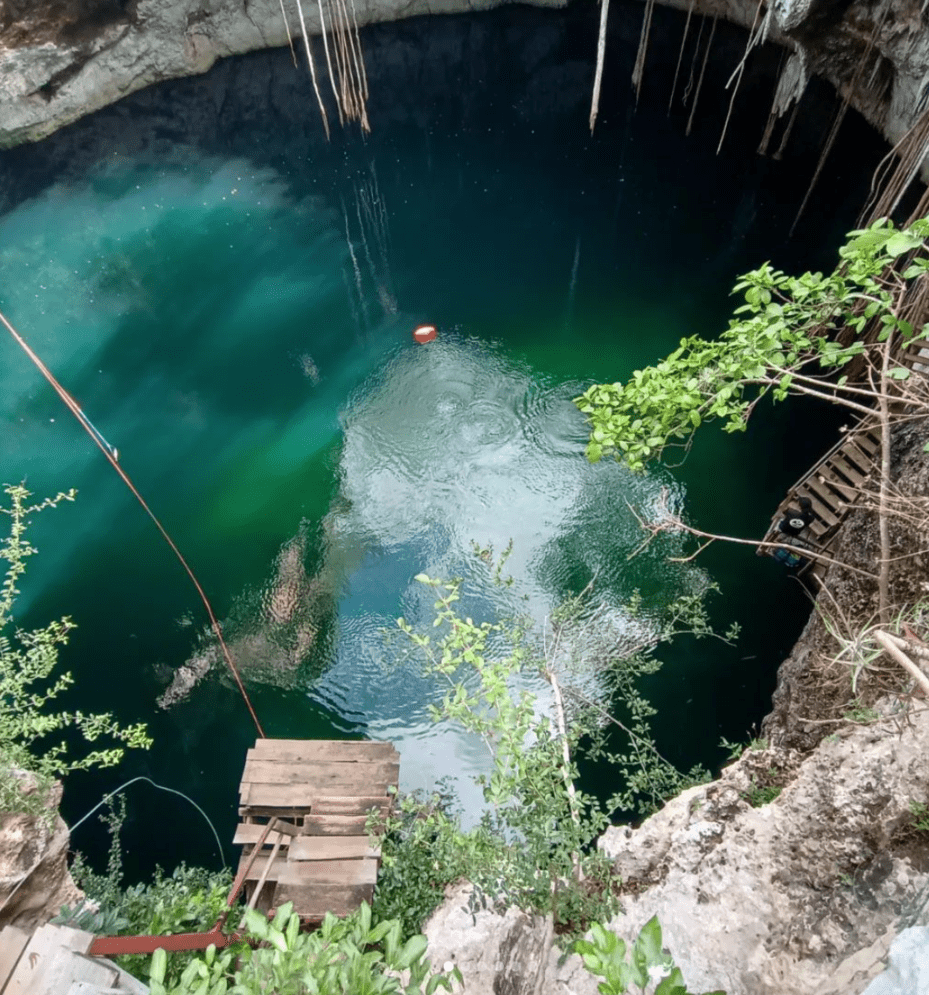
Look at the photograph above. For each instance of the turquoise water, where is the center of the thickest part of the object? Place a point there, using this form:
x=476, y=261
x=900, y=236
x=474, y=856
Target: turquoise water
x=234, y=312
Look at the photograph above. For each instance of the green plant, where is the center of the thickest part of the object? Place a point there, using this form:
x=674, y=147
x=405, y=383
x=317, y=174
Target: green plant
x=920, y=812
x=344, y=957
x=533, y=847
x=861, y=713
x=649, y=966
x=27, y=687
x=759, y=794
x=190, y=900
x=737, y=749
x=784, y=343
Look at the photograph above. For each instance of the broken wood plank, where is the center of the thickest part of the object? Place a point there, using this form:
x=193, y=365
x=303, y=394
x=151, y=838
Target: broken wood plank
x=348, y=805
x=335, y=825
x=298, y=797
x=333, y=848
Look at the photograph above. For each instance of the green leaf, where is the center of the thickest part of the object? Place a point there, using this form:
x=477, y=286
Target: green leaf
x=648, y=942
x=673, y=984
x=899, y=373
x=159, y=964
x=902, y=242
x=412, y=950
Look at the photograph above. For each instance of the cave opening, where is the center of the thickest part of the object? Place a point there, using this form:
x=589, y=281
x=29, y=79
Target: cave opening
x=231, y=297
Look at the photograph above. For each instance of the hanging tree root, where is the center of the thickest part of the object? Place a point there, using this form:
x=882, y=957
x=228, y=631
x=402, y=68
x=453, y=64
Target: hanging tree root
x=601, y=54
x=638, y=70
x=911, y=150
x=706, y=56
x=680, y=55
x=309, y=58
x=757, y=32
x=693, y=65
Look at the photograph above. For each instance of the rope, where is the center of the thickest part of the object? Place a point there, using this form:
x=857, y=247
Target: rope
x=161, y=787
x=110, y=454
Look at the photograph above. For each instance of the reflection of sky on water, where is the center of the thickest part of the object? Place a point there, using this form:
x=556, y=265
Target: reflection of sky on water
x=453, y=443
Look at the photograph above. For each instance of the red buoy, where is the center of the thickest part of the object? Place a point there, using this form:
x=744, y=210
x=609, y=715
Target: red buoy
x=424, y=333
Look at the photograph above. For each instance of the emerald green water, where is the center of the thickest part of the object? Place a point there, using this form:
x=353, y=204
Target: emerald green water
x=232, y=305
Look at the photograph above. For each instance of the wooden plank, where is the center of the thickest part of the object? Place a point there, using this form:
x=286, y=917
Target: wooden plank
x=299, y=797
x=348, y=805
x=335, y=825
x=366, y=775
x=314, y=901
x=858, y=458
x=12, y=943
x=333, y=848
x=847, y=470
x=823, y=495
x=259, y=864
x=325, y=750
x=248, y=833
x=342, y=872
x=868, y=442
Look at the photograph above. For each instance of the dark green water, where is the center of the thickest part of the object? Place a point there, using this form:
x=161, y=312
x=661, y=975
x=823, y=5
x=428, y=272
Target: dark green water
x=231, y=301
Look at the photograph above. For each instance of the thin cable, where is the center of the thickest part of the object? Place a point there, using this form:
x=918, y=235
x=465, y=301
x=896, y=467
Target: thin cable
x=107, y=451
x=161, y=787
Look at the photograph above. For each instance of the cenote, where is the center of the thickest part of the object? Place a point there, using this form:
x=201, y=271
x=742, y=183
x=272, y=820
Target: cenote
x=231, y=298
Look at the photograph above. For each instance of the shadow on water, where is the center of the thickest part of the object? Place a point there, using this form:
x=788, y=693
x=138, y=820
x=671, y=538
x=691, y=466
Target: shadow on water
x=231, y=299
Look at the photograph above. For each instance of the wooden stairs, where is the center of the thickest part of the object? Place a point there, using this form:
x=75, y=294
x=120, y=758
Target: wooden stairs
x=53, y=960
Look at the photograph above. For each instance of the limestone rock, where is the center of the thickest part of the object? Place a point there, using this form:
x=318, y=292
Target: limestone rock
x=908, y=971
x=773, y=900
x=34, y=877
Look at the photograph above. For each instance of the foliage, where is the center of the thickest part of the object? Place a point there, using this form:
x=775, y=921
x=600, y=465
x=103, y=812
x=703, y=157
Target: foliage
x=648, y=966
x=781, y=343
x=27, y=688
x=920, y=812
x=424, y=849
x=737, y=749
x=759, y=794
x=344, y=957
x=533, y=845
x=190, y=900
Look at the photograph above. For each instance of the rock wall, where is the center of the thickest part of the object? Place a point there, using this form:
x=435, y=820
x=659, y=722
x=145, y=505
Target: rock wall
x=803, y=895
x=62, y=59
x=34, y=877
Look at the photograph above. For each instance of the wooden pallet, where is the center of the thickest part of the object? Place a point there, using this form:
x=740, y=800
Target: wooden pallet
x=54, y=961
x=322, y=793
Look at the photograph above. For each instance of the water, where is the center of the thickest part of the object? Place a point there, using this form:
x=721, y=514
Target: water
x=231, y=301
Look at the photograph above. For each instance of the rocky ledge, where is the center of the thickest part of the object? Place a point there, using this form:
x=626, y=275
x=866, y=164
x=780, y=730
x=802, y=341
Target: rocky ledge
x=63, y=59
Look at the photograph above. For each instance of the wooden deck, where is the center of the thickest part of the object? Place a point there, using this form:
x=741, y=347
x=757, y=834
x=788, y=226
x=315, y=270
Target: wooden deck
x=320, y=793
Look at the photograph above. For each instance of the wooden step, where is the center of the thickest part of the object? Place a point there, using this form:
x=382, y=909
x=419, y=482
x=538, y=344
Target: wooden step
x=347, y=872
x=268, y=799
x=360, y=779
x=315, y=900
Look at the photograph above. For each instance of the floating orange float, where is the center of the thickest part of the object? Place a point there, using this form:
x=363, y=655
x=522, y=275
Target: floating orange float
x=424, y=333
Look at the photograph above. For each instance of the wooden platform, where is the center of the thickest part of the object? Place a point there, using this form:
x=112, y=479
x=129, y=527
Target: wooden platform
x=321, y=792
